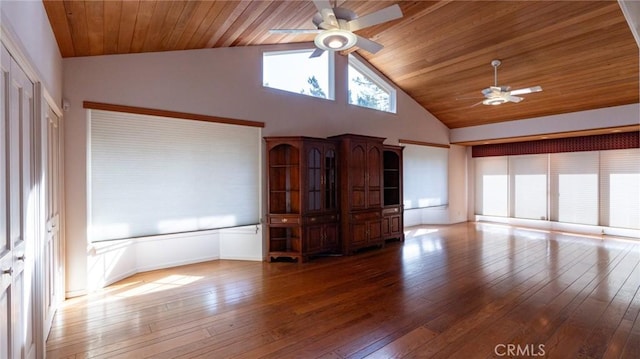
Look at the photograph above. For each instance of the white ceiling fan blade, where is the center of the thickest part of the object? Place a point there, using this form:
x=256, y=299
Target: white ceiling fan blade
x=515, y=99
x=326, y=11
x=377, y=17
x=295, y=31
x=368, y=45
x=526, y=90
x=316, y=53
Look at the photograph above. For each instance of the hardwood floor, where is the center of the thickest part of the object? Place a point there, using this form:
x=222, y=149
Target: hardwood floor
x=461, y=291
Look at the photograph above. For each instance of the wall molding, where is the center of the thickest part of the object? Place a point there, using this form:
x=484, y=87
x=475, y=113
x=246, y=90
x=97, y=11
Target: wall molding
x=170, y=114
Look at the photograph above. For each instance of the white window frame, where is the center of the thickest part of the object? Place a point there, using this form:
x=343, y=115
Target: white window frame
x=360, y=65
x=330, y=71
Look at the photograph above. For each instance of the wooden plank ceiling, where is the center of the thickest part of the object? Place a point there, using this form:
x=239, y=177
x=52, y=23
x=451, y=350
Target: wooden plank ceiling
x=582, y=53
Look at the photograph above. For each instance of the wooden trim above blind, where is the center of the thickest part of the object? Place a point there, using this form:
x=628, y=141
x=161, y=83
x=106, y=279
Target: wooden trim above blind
x=171, y=114
x=421, y=143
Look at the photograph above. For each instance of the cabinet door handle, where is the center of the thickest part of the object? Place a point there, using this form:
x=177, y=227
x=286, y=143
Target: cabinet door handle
x=8, y=271
x=21, y=257
x=284, y=220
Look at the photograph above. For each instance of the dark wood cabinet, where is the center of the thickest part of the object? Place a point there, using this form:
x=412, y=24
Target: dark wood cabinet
x=302, y=200
x=335, y=195
x=322, y=237
x=392, y=211
x=361, y=185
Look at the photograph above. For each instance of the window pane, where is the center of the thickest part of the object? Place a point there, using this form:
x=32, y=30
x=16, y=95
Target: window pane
x=156, y=175
x=367, y=89
x=364, y=92
x=574, y=177
x=620, y=188
x=492, y=186
x=425, y=176
x=294, y=71
x=529, y=181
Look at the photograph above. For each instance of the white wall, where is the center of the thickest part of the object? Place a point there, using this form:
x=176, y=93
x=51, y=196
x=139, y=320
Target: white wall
x=575, y=121
x=28, y=25
x=225, y=82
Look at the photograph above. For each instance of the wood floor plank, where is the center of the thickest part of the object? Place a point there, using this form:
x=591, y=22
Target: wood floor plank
x=405, y=344
x=445, y=292
x=492, y=315
x=522, y=320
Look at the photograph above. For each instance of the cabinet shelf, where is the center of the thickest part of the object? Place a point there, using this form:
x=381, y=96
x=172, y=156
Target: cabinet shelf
x=393, y=217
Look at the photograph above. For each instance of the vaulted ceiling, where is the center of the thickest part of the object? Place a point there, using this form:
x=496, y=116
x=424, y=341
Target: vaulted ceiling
x=582, y=53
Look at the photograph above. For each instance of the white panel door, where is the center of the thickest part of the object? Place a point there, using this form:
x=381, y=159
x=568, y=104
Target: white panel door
x=18, y=297
x=52, y=251
x=6, y=253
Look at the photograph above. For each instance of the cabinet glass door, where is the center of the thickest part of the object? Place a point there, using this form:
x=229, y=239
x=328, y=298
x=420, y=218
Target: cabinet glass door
x=374, y=177
x=314, y=178
x=284, y=177
x=330, y=183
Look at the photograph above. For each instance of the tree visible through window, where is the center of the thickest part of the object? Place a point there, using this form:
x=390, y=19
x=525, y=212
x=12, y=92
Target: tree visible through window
x=365, y=93
x=315, y=89
x=366, y=89
x=294, y=71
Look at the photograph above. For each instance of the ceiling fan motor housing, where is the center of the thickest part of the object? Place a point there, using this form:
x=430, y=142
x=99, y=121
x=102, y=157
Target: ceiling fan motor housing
x=494, y=101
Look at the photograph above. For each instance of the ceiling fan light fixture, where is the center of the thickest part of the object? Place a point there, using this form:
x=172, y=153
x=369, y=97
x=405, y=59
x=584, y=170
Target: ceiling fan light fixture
x=494, y=101
x=335, y=40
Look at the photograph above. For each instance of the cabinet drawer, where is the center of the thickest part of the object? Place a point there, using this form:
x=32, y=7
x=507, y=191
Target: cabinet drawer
x=284, y=220
x=365, y=216
x=390, y=211
x=326, y=218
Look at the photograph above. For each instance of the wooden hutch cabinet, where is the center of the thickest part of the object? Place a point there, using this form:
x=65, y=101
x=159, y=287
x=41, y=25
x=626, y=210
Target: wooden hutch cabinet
x=392, y=210
x=360, y=173
x=302, y=200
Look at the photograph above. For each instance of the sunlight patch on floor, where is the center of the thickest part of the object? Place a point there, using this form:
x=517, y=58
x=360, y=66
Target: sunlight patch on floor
x=168, y=282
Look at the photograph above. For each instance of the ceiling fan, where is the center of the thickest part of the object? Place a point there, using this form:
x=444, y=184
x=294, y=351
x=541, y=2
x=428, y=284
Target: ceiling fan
x=497, y=95
x=335, y=27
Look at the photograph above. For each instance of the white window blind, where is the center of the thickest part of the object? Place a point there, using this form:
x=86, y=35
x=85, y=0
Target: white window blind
x=153, y=175
x=574, y=187
x=492, y=186
x=528, y=175
x=620, y=188
x=425, y=176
